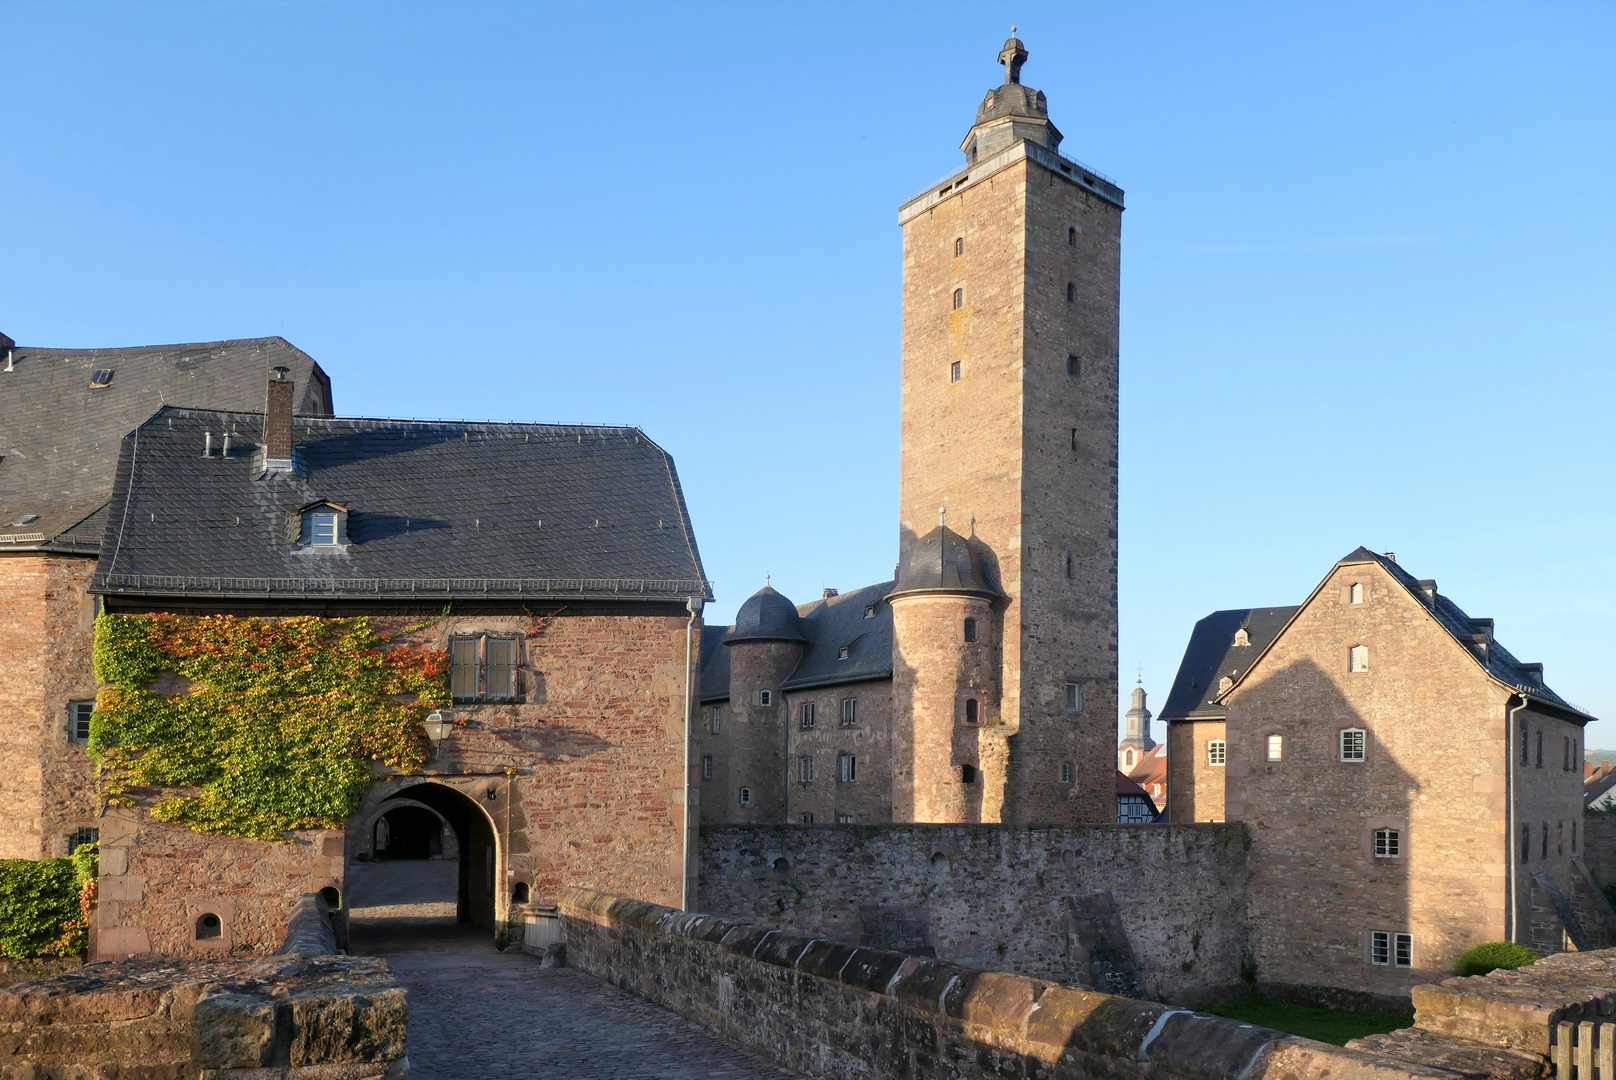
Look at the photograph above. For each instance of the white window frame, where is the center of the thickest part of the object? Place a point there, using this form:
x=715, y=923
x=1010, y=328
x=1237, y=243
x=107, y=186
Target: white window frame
x=323, y=528
x=808, y=716
x=1275, y=747
x=1358, y=658
x=844, y=819
x=745, y=796
x=805, y=769
x=707, y=767
x=1380, y=948
x=78, y=720
x=718, y=715
x=1355, y=593
x=1403, y=950
x=1066, y=772
x=1352, y=744
x=850, y=712
x=1217, y=753
x=1074, y=697
x=849, y=768
x=765, y=698
x=1388, y=843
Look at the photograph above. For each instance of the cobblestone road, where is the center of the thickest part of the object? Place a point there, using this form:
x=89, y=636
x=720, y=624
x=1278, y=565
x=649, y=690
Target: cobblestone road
x=486, y=1015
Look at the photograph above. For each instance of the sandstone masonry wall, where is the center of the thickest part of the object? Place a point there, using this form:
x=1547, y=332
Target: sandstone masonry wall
x=47, y=628
x=1000, y=896
x=1195, y=787
x=869, y=740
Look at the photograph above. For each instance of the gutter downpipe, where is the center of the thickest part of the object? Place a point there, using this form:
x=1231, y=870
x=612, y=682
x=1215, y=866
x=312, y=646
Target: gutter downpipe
x=1509, y=794
x=693, y=604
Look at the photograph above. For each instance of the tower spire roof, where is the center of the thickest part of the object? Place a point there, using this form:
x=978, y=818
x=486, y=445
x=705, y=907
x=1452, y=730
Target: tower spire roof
x=1012, y=56
x=1011, y=112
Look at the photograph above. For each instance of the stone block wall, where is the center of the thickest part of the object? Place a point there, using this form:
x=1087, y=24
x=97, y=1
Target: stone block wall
x=837, y=1010
x=316, y=1018
x=47, y=633
x=159, y=880
x=1004, y=897
x=826, y=798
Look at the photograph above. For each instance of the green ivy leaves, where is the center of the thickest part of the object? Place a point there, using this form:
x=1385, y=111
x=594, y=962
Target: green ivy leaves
x=255, y=727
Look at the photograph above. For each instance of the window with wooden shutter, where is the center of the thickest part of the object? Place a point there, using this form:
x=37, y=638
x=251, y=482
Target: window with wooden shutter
x=463, y=673
x=501, y=667
x=483, y=668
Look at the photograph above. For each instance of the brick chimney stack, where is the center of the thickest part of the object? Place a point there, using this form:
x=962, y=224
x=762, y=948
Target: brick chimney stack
x=278, y=416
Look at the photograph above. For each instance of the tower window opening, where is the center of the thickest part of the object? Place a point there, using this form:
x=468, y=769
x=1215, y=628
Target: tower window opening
x=967, y=774
x=971, y=710
x=970, y=629
x=959, y=298
x=1074, y=366
x=1071, y=291
x=959, y=248
x=1071, y=565
x=1066, y=772
x=954, y=371
x=1071, y=235
x=746, y=796
x=1545, y=840
x=765, y=697
x=1074, y=438
x=1128, y=762
x=1355, y=594
x=1074, y=697
x=707, y=767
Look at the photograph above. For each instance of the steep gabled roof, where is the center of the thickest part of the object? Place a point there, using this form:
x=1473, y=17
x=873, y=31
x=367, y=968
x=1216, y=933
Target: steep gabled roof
x=59, y=437
x=434, y=509
x=1498, y=662
x=1212, y=655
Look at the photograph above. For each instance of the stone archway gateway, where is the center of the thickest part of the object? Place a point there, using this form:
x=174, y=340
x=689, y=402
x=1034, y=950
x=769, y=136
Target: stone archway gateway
x=442, y=865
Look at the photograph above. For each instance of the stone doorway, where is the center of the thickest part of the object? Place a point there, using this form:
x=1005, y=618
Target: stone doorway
x=422, y=870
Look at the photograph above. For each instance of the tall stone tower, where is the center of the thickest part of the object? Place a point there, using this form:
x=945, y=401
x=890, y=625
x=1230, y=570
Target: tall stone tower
x=1010, y=303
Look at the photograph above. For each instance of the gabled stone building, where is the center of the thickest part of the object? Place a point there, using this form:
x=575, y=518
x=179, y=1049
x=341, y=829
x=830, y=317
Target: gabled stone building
x=1411, y=788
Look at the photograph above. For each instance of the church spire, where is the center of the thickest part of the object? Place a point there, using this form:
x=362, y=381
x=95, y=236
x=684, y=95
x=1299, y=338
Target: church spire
x=1011, y=112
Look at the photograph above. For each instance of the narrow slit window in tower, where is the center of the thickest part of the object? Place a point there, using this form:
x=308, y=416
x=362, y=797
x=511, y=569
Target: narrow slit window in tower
x=959, y=298
x=959, y=245
x=1074, y=366
x=971, y=712
x=970, y=629
x=954, y=371
x=1071, y=235
x=1071, y=291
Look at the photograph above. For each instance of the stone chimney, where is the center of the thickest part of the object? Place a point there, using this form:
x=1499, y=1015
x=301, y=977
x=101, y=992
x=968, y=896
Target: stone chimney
x=278, y=419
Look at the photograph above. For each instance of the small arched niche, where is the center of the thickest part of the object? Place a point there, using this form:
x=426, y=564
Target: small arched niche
x=208, y=926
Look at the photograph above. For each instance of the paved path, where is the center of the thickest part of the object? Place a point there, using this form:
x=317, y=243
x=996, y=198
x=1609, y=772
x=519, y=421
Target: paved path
x=480, y=1014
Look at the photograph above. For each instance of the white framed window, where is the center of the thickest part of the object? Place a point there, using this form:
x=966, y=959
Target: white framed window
x=745, y=796
x=954, y=371
x=805, y=819
x=1355, y=593
x=1352, y=744
x=765, y=697
x=805, y=769
x=717, y=717
x=849, y=769
x=707, y=767
x=482, y=667
x=1217, y=752
x=844, y=819
x=322, y=529
x=1066, y=772
x=1380, y=948
x=1403, y=950
x=959, y=301
x=1388, y=844
x=807, y=716
x=1358, y=658
x=1276, y=747
x=78, y=720
x=1074, y=697
x=849, y=712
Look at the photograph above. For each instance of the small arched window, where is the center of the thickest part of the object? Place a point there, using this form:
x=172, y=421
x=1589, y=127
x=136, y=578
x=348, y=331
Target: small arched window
x=1071, y=291
x=1074, y=366
x=959, y=245
x=970, y=629
x=972, y=713
x=1128, y=759
x=1071, y=565
x=959, y=298
x=211, y=926
x=1355, y=593
x=519, y=893
x=1071, y=235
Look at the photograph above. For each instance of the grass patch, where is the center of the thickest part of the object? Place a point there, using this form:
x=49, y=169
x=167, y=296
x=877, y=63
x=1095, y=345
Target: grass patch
x=1325, y=1025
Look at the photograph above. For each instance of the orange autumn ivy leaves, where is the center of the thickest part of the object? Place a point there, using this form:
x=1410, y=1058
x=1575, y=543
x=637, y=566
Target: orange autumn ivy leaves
x=271, y=726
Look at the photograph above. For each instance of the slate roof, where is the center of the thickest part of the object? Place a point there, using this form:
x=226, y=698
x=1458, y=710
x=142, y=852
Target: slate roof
x=1212, y=654
x=434, y=509
x=1500, y=663
x=828, y=625
x=766, y=616
x=943, y=561
x=59, y=438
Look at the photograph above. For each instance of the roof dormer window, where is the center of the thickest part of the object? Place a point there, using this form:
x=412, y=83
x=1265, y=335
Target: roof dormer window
x=323, y=526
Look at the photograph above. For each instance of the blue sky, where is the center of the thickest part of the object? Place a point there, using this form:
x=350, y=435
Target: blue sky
x=1369, y=295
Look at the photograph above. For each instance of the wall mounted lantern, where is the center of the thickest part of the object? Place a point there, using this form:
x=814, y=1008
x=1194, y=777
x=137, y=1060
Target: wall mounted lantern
x=437, y=726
